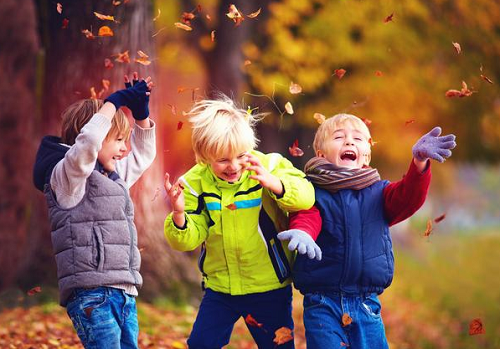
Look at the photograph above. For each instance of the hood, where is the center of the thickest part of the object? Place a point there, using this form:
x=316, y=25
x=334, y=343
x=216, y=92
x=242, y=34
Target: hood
x=48, y=155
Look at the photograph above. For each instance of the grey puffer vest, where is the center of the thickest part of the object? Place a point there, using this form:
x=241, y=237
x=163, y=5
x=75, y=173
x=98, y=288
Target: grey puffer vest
x=95, y=242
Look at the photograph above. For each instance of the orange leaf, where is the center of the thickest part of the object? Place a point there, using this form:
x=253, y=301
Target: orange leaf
x=464, y=92
x=179, y=125
x=389, y=18
x=339, y=73
x=379, y=73
x=407, y=122
x=428, y=228
x=249, y=318
x=123, y=57
x=457, y=47
x=173, y=109
x=212, y=35
x=254, y=14
x=346, y=320
x=294, y=150
x=88, y=34
x=187, y=17
x=104, y=17
x=108, y=64
x=183, y=26
x=247, y=62
x=208, y=17
x=65, y=23
x=487, y=79
x=440, y=218
x=116, y=2
x=295, y=88
x=289, y=108
x=157, y=16
x=59, y=8
x=105, y=31
x=476, y=327
x=105, y=84
x=367, y=122
x=282, y=335
x=320, y=118
x=232, y=207
x=34, y=290
x=235, y=15
x=93, y=94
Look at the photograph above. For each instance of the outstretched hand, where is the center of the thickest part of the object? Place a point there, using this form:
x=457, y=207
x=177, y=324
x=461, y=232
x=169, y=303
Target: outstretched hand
x=302, y=242
x=176, y=197
x=432, y=146
x=266, y=179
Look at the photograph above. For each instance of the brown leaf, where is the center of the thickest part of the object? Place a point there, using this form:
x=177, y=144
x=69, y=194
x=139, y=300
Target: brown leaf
x=294, y=150
x=282, y=335
x=389, y=18
x=104, y=17
x=88, y=311
x=457, y=47
x=476, y=327
x=235, y=15
x=183, y=26
x=428, y=228
x=34, y=290
x=295, y=88
x=346, y=320
x=289, y=108
x=487, y=79
x=254, y=14
x=440, y=218
x=339, y=73
x=320, y=118
x=179, y=125
x=105, y=31
x=232, y=207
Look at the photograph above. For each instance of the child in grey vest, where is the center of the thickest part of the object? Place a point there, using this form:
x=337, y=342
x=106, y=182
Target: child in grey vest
x=85, y=176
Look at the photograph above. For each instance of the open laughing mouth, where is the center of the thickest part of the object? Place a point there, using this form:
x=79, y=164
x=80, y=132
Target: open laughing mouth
x=348, y=155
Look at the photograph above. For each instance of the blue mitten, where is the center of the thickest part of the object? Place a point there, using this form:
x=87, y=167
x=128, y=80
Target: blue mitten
x=431, y=146
x=134, y=97
x=302, y=242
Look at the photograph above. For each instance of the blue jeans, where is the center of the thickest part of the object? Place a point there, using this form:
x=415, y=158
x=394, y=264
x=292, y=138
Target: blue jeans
x=323, y=321
x=219, y=311
x=104, y=317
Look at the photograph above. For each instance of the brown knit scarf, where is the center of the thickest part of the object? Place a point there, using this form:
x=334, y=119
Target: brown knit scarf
x=326, y=175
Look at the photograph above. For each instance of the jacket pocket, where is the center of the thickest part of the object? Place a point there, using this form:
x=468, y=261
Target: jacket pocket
x=98, y=248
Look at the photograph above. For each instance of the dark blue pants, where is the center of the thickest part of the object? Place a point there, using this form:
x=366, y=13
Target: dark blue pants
x=219, y=312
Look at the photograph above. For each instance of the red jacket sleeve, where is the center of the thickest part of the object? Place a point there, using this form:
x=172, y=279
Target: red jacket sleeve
x=307, y=220
x=403, y=198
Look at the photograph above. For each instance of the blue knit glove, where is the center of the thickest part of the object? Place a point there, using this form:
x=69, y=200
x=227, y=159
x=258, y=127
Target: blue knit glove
x=134, y=97
x=302, y=242
x=434, y=147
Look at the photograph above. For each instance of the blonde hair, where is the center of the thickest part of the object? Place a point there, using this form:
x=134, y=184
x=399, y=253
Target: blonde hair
x=330, y=125
x=221, y=128
x=79, y=113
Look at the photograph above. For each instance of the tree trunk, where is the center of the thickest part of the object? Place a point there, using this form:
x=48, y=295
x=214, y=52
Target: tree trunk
x=19, y=43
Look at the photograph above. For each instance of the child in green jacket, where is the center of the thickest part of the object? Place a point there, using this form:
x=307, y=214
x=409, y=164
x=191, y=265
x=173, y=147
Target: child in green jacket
x=233, y=203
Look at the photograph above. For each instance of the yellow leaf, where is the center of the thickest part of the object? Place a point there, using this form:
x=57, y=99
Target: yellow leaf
x=183, y=26
x=289, y=108
x=104, y=17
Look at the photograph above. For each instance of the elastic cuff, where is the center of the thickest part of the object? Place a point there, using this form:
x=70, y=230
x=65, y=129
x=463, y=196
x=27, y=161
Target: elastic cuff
x=145, y=134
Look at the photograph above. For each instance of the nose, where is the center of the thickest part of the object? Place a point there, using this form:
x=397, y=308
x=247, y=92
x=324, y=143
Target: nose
x=123, y=147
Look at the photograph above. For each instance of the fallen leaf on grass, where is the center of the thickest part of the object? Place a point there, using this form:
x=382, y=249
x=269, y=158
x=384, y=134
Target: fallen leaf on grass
x=476, y=327
x=389, y=18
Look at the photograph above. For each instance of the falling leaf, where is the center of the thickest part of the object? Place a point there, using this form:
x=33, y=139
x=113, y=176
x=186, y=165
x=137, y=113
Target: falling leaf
x=464, y=92
x=487, y=79
x=105, y=84
x=143, y=58
x=235, y=15
x=208, y=18
x=59, y=8
x=232, y=207
x=289, y=108
x=179, y=125
x=379, y=73
x=457, y=47
x=476, y=327
x=440, y=218
x=65, y=23
x=339, y=73
x=389, y=18
x=116, y=2
x=108, y=64
x=104, y=17
x=367, y=122
x=173, y=109
x=282, y=335
x=295, y=88
x=428, y=228
x=249, y=318
x=212, y=35
x=34, y=290
x=187, y=17
x=294, y=150
x=123, y=57
x=88, y=34
x=346, y=320
x=198, y=8
x=105, y=31
x=254, y=14
x=157, y=16
x=183, y=26
x=158, y=32
x=247, y=62
x=320, y=118
x=408, y=122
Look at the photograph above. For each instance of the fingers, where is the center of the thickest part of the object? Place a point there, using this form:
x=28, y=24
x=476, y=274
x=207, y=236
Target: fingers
x=436, y=131
x=127, y=81
x=284, y=235
x=448, y=145
x=302, y=248
x=446, y=153
x=436, y=157
x=167, y=184
x=319, y=253
x=135, y=78
x=311, y=253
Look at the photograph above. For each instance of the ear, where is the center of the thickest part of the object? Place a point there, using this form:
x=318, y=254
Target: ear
x=320, y=154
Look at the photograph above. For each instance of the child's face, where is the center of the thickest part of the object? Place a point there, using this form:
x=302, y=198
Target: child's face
x=229, y=167
x=346, y=147
x=113, y=149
